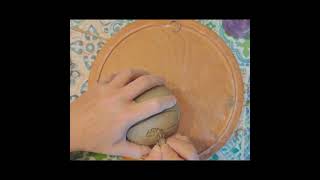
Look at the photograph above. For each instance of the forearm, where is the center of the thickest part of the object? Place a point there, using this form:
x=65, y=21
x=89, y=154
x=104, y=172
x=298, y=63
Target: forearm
x=81, y=113
x=74, y=135
x=78, y=113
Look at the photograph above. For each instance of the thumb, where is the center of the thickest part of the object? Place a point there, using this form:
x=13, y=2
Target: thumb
x=155, y=153
x=183, y=146
x=168, y=153
x=132, y=150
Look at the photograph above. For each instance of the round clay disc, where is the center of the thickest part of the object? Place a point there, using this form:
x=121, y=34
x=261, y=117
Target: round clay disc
x=199, y=69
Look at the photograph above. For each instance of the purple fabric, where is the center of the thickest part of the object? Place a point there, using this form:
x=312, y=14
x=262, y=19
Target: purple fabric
x=237, y=28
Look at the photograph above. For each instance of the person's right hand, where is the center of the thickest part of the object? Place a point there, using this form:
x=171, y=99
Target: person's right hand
x=177, y=147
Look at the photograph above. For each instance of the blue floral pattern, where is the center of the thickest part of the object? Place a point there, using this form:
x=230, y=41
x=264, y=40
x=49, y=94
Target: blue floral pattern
x=74, y=74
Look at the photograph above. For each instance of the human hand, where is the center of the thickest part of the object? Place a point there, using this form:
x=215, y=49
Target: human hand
x=177, y=147
x=100, y=118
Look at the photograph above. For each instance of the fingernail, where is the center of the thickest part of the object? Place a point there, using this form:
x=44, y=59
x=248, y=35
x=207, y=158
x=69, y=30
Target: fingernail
x=173, y=100
x=161, y=79
x=156, y=148
x=169, y=101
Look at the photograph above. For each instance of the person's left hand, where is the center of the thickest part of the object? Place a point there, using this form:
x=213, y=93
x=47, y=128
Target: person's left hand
x=101, y=117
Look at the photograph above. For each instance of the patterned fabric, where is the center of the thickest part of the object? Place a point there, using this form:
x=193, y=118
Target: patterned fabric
x=88, y=36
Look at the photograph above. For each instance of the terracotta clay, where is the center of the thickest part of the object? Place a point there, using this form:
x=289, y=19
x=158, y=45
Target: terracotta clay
x=199, y=68
x=162, y=125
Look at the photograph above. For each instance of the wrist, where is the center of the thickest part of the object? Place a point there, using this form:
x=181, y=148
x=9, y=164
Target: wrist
x=75, y=125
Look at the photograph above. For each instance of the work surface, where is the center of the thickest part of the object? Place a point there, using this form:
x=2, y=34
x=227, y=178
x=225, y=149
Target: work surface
x=88, y=36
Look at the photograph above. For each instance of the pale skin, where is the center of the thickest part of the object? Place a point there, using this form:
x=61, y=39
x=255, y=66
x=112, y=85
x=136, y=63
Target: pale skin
x=101, y=117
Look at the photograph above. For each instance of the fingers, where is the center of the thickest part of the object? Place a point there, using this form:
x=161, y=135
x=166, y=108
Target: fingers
x=168, y=153
x=143, y=110
x=182, y=138
x=142, y=84
x=155, y=153
x=108, y=79
x=126, y=76
x=104, y=80
x=131, y=150
x=183, y=147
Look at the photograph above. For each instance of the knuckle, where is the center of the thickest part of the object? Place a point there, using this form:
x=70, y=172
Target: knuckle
x=145, y=78
x=129, y=72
